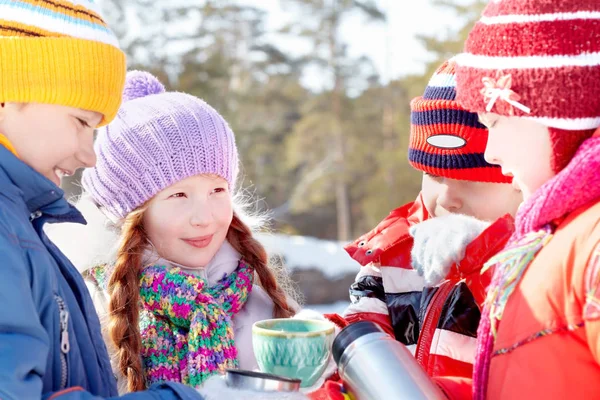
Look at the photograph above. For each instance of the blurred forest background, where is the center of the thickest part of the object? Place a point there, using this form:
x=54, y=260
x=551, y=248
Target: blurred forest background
x=328, y=162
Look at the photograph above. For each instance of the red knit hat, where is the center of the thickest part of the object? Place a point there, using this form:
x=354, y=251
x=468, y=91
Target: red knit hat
x=445, y=139
x=538, y=59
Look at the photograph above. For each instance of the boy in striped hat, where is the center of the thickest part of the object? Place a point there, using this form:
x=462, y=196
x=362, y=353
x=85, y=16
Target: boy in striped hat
x=447, y=143
x=531, y=69
x=61, y=76
x=435, y=310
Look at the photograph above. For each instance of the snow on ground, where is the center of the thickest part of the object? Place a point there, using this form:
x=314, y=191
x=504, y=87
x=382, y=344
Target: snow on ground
x=303, y=252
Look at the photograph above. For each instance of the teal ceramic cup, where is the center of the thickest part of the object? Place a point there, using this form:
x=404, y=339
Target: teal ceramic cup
x=293, y=348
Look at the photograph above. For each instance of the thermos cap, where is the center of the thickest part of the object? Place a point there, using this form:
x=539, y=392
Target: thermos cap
x=349, y=334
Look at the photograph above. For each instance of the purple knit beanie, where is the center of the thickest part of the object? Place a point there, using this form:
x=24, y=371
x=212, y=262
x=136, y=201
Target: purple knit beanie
x=158, y=138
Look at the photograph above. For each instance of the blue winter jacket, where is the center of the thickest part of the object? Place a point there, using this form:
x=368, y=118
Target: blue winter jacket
x=50, y=340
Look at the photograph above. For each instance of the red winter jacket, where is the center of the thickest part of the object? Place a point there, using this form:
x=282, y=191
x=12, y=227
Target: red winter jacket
x=438, y=324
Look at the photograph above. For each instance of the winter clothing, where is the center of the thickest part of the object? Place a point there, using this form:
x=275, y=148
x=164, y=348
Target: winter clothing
x=50, y=334
x=7, y=144
x=258, y=306
x=564, y=145
x=437, y=320
x=386, y=273
x=186, y=328
x=60, y=52
x=330, y=391
x=445, y=139
x=435, y=249
x=158, y=138
x=535, y=59
x=538, y=334
x=542, y=311
x=545, y=68
x=437, y=323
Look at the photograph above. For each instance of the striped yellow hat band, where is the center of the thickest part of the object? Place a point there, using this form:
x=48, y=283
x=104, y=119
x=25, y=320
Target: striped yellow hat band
x=60, y=52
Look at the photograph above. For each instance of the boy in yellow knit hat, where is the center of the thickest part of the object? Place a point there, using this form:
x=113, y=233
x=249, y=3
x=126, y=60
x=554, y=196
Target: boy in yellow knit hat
x=61, y=76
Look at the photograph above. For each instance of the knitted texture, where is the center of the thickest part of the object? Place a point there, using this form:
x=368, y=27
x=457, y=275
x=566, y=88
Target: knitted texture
x=575, y=186
x=186, y=327
x=445, y=139
x=60, y=52
x=564, y=145
x=158, y=138
x=539, y=59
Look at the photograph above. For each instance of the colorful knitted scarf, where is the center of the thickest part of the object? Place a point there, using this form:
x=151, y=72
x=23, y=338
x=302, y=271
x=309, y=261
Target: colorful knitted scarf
x=575, y=186
x=186, y=329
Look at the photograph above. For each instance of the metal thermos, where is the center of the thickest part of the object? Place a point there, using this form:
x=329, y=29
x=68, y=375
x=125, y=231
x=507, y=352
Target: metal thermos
x=374, y=366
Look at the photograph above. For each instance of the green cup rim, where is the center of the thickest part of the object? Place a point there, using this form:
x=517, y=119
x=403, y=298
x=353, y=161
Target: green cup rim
x=328, y=328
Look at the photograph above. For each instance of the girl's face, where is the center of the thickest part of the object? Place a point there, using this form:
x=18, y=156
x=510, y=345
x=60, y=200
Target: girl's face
x=483, y=200
x=187, y=222
x=522, y=148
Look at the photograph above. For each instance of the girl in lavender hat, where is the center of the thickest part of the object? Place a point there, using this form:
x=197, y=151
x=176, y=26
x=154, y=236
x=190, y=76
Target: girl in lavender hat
x=166, y=177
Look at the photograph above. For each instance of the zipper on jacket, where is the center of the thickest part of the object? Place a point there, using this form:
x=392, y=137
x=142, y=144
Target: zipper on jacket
x=64, y=340
x=35, y=215
x=430, y=322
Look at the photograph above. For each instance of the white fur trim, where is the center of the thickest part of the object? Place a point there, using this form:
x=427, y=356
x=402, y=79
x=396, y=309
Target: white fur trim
x=524, y=62
x=523, y=18
x=454, y=345
x=401, y=280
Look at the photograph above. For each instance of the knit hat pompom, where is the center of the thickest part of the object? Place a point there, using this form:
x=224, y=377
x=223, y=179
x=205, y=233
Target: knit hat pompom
x=141, y=84
x=155, y=141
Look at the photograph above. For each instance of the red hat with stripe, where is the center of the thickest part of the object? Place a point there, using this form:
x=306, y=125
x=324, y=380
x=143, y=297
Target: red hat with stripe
x=538, y=59
x=445, y=139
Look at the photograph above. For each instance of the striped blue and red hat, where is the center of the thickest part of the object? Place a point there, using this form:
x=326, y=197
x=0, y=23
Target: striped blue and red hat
x=445, y=139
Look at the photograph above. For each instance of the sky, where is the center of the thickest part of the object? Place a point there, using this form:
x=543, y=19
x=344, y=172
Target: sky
x=406, y=19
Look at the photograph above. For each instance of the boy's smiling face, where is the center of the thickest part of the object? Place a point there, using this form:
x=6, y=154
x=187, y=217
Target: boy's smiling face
x=52, y=139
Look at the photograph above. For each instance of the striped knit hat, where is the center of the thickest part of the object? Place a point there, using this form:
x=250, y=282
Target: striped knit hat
x=445, y=139
x=540, y=60
x=60, y=52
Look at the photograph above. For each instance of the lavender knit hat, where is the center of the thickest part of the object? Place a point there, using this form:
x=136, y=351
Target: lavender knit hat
x=158, y=138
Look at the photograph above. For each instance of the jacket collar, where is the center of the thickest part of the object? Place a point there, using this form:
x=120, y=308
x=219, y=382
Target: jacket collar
x=37, y=192
x=389, y=243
